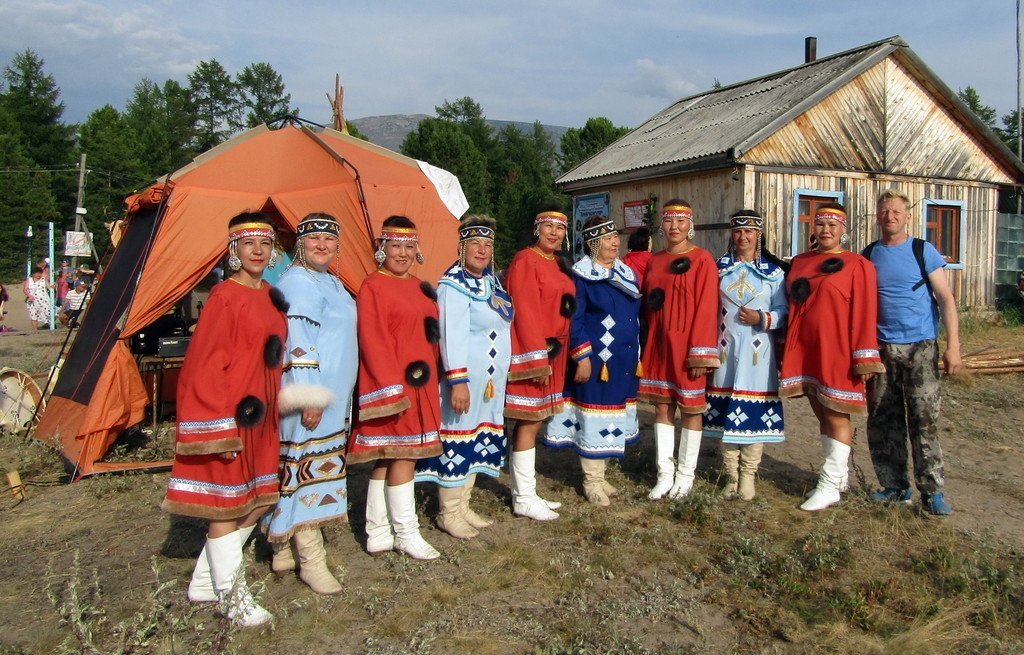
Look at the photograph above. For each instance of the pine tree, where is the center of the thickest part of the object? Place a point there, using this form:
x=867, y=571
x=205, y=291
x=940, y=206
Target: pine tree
x=218, y=107
x=262, y=93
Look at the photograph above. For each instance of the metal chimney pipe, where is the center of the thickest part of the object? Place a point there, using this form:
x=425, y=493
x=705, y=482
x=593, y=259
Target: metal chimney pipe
x=810, y=49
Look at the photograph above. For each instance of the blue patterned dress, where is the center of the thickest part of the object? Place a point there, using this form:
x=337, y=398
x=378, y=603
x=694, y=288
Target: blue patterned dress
x=743, y=393
x=476, y=348
x=599, y=416
x=321, y=350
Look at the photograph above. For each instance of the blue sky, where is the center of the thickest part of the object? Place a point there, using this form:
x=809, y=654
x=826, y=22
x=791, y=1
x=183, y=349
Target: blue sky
x=559, y=62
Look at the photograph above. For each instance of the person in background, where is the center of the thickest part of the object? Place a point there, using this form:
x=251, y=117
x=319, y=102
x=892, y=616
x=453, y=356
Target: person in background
x=227, y=445
x=904, y=402
x=74, y=304
x=744, y=409
x=681, y=298
x=639, y=255
x=320, y=363
x=476, y=348
x=37, y=295
x=399, y=399
x=831, y=346
x=542, y=289
x=598, y=418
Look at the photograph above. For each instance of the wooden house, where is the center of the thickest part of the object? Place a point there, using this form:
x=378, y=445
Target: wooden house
x=841, y=128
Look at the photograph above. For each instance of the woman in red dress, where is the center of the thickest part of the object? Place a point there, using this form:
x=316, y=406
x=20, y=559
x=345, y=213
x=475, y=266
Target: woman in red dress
x=545, y=299
x=681, y=293
x=399, y=400
x=227, y=446
x=831, y=345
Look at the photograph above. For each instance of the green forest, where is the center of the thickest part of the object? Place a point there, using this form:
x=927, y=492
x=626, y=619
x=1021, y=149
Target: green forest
x=164, y=124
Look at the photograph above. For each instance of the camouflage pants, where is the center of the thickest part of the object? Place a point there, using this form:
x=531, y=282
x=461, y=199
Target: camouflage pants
x=904, y=403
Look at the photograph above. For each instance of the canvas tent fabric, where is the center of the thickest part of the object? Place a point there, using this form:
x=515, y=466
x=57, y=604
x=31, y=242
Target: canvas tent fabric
x=176, y=232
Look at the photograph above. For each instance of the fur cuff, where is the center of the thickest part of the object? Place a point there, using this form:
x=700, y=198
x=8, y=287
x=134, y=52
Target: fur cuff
x=295, y=397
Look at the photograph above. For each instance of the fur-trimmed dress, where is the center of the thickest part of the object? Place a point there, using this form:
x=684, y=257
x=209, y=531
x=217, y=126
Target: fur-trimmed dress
x=320, y=363
x=598, y=418
x=399, y=404
x=743, y=394
x=476, y=348
x=227, y=402
x=832, y=336
x=681, y=305
x=545, y=300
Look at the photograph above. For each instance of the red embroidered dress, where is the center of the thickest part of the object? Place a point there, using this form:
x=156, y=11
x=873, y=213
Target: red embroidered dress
x=545, y=299
x=399, y=401
x=681, y=307
x=832, y=338
x=227, y=402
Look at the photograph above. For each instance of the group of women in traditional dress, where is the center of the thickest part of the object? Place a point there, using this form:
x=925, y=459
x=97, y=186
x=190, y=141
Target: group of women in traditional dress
x=267, y=419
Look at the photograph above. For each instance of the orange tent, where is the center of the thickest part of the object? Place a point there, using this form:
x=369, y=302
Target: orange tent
x=176, y=233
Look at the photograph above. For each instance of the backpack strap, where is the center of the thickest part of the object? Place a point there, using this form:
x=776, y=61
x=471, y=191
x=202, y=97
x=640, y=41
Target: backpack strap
x=866, y=253
x=918, y=247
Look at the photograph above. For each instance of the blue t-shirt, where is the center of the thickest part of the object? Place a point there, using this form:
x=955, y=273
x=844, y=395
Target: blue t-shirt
x=905, y=315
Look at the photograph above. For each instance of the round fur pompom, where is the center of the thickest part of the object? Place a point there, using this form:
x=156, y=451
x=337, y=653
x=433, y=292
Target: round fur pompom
x=656, y=299
x=554, y=347
x=273, y=351
x=250, y=412
x=277, y=298
x=417, y=374
x=680, y=265
x=800, y=290
x=428, y=290
x=432, y=328
x=832, y=265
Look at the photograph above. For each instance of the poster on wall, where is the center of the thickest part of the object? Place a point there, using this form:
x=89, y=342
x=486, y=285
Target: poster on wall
x=583, y=207
x=77, y=244
x=634, y=214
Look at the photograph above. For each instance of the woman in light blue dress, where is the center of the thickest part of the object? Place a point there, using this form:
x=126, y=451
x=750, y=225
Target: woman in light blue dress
x=321, y=359
x=744, y=409
x=476, y=348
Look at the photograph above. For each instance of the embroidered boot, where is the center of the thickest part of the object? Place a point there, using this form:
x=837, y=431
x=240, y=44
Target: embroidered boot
x=313, y=569
x=664, y=440
x=379, y=538
x=730, y=470
x=451, y=518
x=525, y=501
x=750, y=459
x=226, y=568
x=686, y=462
x=826, y=494
x=593, y=475
x=472, y=517
x=405, y=523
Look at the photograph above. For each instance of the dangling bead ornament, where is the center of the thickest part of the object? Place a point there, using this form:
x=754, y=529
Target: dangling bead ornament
x=604, y=372
x=380, y=255
x=639, y=369
x=462, y=255
x=273, y=258
x=691, y=233
x=420, y=258
x=489, y=390
x=234, y=263
x=844, y=239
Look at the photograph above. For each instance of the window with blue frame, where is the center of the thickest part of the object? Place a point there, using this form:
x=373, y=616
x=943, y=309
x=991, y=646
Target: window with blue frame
x=943, y=223
x=805, y=205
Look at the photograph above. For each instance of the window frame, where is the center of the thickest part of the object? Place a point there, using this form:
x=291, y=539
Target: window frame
x=961, y=255
x=831, y=196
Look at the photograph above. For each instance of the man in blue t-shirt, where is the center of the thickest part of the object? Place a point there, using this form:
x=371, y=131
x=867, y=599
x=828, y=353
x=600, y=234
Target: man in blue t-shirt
x=904, y=403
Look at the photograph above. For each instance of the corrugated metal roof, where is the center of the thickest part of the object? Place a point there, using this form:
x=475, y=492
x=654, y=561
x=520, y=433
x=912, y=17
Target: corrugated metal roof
x=730, y=118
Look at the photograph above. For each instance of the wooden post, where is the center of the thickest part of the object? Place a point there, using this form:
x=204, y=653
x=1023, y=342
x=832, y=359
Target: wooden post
x=15, y=485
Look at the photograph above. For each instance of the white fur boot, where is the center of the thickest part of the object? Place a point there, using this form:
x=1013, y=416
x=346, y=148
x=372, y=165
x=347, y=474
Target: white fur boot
x=664, y=442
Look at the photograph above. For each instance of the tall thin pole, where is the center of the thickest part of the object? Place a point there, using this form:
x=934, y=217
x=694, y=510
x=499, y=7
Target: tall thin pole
x=80, y=197
x=1018, y=102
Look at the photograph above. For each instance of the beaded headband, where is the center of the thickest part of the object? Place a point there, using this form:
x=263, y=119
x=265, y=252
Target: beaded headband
x=398, y=234
x=827, y=213
x=749, y=222
x=677, y=211
x=551, y=217
x=317, y=226
x=254, y=229
x=476, y=232
x=599, y=230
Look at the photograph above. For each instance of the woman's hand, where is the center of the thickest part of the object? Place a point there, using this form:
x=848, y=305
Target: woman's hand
x=541, y=381
x=460, y=398
x=698, y=372
x=864, y=377
x=311, y=417
x=583, y=370
x=228, y=456
x=748, y=316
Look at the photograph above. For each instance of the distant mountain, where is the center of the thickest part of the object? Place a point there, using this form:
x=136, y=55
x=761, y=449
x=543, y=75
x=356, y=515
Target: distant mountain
x=389, y=131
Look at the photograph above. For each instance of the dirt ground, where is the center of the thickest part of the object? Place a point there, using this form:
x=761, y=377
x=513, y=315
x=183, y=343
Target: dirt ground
x=95, y=566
